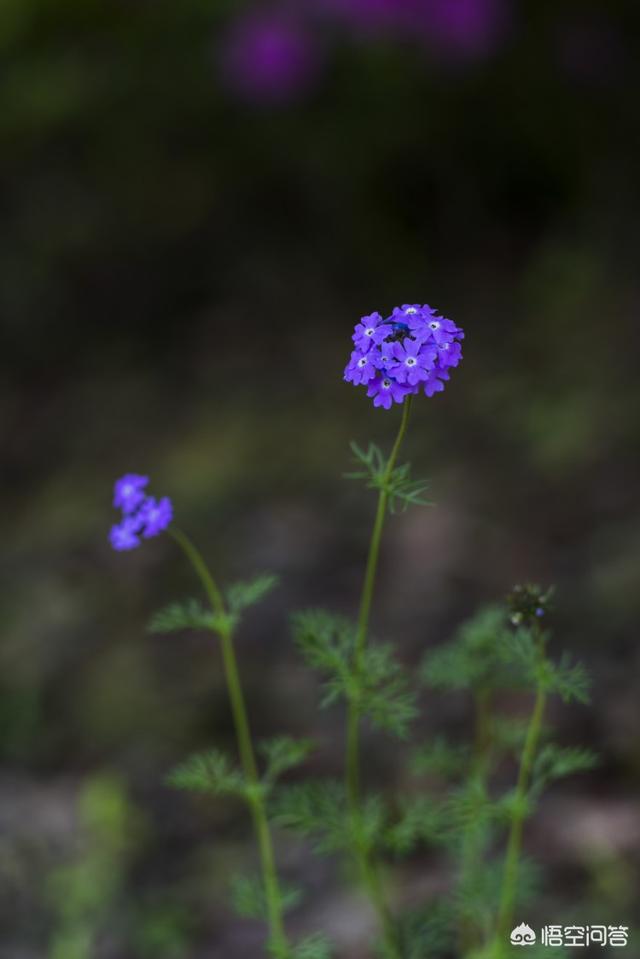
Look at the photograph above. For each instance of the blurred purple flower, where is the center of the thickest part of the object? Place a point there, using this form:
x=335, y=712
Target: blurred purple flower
x=156, y=515
x=270, y=56
x=125, y=535
x=127, y=492
x=141, y=514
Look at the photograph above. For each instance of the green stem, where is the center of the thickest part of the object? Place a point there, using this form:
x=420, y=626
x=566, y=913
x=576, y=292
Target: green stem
x=278, y=942
x=514, y=843
x=367, y=864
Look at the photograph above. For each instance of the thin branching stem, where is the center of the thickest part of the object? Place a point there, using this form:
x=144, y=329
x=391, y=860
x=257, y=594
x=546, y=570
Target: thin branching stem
x=278, y=942
x=367, y=864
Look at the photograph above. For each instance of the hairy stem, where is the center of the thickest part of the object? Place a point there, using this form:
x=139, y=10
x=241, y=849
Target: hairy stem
x=367, y=864
x=514, y=844
x=278, y=943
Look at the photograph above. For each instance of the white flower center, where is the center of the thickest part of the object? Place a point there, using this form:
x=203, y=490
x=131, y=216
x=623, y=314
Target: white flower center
x=362, y=361
x=433, y=325
x=411, y=311
x=370, y=330
x=386, y=384
x=410, y=361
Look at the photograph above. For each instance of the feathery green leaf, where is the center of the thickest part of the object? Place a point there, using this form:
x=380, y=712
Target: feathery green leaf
x=242, y=595
x=317, y=810
x=250, y=900
x=209, y=772
x=283, y=753
x=191, y=614
x=401, y=490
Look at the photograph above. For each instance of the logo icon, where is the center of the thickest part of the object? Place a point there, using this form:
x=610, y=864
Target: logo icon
x=523, y=935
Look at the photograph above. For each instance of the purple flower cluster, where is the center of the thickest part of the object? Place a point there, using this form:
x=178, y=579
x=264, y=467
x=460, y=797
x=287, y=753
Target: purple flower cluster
x=142, y=515
x=409, y=351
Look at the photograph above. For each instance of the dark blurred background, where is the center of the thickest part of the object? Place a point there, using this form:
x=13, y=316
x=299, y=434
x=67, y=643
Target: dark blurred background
x=199, y=200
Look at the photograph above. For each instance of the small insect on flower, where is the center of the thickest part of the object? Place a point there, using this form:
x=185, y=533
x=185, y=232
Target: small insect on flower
x=412, y=350
x=142, y=515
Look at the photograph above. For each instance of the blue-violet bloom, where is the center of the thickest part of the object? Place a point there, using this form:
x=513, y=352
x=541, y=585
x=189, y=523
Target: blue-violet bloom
x=128, y=492
x=408, y=352
x=156, y=515
x=142, y=515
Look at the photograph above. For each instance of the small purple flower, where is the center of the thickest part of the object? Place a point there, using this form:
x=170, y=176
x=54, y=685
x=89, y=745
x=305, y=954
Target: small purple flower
x=156, y=515
x=125, y=535
x=433, y=383
x=370, y=330
x=127, y=493
x=361, y=368
x=406, y=314
x=442, y=330
x=385, y=391
x=449, y=354
x=141, y=515
x=408, y=352
x=414, y=361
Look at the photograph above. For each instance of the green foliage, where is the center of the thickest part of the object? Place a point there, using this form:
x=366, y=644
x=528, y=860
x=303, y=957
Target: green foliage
x=368, y=831
x=281, y=754
x=568, y=680
x=317, y=810
x=209, y=772
x=480, y=656
x=555, y=762
x=519, y=650
x=83, y=890
x=242, y=595
x=379, y=687
x=469, y=807
x=313, y=947
x=326, y=642
x=250, y=901
x=428, y=933
x=160, y=929
x=512, y=805
x=508, y=734
x=383, y=690
x=441, y=758
x=420, y=820
x=191, y=614
x=473, y=900
x=401, y=490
